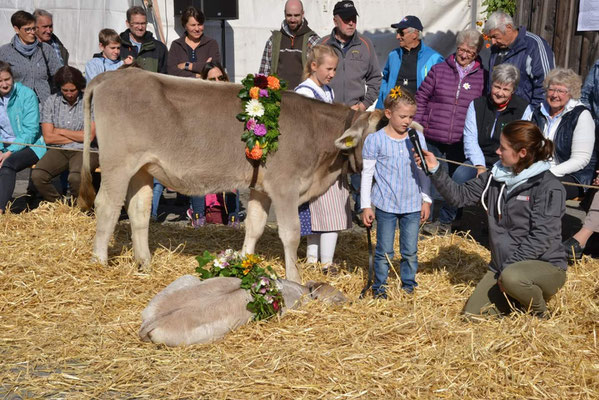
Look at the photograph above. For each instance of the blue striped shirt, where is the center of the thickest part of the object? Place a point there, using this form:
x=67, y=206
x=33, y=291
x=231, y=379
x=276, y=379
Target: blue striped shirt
x=399, y=184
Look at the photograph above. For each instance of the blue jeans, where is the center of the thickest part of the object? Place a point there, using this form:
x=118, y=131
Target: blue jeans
x=157, y=193
x=409, y=225
x=462, y=174
x=233, y=205
x=198, y=205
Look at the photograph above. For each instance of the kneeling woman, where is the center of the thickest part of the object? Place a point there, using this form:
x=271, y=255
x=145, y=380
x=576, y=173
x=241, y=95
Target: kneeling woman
x=525, y=203
x=62, y=127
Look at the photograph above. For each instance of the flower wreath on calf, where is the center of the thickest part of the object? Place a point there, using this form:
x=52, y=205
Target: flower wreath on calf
x=261, y=105
x=267, y=299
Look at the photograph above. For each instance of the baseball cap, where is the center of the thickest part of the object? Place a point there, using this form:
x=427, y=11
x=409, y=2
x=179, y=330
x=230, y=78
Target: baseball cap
x=409, y=21
x=345, y=9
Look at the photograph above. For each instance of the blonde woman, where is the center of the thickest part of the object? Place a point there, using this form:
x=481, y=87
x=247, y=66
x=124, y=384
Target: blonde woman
x=566, y=121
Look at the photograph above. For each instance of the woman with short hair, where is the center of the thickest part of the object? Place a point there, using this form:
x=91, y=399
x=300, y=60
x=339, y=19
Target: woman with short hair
x=62, y=127
x=190, y=52
x=19, y=125
x=443, y=100
x=525, y=203
x=566, y=121
x=33, y=63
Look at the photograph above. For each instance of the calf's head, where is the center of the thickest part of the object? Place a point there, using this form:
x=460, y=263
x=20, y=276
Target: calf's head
x=326, y=293
x=352, y=140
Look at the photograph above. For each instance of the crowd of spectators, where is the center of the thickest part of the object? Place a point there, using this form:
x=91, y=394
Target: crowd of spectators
x=461, y=105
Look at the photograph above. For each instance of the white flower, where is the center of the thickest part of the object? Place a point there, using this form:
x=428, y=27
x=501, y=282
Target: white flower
x=254, y=108
x=466, y=86
x=219, y=263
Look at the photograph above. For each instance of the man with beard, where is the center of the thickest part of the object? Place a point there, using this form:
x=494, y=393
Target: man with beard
x=286, y=49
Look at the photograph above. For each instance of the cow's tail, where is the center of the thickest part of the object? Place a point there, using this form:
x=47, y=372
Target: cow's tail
x=87, y=193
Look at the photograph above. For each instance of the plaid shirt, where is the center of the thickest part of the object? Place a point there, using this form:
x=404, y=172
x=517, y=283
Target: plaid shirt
x=267, y=55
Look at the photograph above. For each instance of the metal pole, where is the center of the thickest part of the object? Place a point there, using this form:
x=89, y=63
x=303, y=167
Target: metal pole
x=222, y=38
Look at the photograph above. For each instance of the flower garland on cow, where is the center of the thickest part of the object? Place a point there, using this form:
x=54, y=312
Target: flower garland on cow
x=260, y=282
x=261, y=105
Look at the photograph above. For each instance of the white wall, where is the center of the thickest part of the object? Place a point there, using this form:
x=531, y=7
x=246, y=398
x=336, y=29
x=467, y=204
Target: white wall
x=77, y=23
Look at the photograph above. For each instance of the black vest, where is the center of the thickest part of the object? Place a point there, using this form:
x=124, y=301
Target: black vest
x=563, y=141
x=486, y=113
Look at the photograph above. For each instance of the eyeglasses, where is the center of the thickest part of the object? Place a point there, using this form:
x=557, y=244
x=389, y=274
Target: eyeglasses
x=466, y=51
x=29, y=30
x=561, y=92
x=401, y=32
x=220, y=78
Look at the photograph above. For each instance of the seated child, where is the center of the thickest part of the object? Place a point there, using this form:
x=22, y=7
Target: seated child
x=109, y=57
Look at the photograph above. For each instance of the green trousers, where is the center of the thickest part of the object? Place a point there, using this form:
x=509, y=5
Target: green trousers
x=527, y=284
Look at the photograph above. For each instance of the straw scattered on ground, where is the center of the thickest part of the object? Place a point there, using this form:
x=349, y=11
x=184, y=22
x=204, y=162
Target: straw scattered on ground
x=68, y=327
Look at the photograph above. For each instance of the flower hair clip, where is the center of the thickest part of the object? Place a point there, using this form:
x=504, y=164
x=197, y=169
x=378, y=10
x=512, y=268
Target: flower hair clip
x=396, y=92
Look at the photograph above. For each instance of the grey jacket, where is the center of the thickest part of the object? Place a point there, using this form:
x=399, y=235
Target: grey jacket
x=524, y=225
x=35, y=72
x=358, y=67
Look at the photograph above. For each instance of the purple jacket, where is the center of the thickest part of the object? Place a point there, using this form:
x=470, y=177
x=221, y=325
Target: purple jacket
x=443, y=101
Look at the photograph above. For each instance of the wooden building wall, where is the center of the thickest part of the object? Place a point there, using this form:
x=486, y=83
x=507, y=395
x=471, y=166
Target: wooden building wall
x=556, y=21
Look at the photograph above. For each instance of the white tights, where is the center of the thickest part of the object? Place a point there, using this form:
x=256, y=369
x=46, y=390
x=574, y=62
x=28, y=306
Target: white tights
x=323, y=243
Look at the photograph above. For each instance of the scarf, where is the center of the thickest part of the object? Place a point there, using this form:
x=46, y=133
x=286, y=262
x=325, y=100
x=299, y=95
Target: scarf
x=511, y=181
x=26, y=50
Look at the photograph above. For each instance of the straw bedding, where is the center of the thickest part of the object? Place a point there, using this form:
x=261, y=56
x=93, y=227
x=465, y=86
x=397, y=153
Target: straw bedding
x=68, y=328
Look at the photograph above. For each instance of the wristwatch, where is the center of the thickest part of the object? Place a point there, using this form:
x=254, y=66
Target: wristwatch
x=187, y=64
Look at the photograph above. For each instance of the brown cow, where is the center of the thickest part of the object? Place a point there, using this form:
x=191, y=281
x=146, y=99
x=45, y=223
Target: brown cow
x=190, y=310
x=184, y=132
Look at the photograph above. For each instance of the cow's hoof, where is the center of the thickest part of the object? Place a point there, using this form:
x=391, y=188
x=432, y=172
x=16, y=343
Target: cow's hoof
x=99, y=260
x=144, y=268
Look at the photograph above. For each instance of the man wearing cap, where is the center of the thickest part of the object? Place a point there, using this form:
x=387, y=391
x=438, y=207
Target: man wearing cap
x=285, y=51
x=358, y=65
x=407, y=65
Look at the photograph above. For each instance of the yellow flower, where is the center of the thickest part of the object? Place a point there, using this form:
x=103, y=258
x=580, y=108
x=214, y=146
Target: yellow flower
x=246, y=271
x=395, y=92
x=255, y=92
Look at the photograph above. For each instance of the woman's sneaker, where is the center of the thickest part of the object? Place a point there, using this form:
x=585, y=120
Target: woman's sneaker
x=196, y=220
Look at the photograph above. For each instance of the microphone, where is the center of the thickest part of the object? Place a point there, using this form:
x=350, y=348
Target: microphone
x=413, y=135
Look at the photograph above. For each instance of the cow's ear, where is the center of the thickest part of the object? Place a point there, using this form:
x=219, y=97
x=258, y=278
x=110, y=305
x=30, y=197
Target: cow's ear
x=349, y=139
x=365, y=124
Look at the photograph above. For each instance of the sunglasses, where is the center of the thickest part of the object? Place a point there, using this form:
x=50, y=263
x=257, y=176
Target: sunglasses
x=29, y=30
x=220, y=78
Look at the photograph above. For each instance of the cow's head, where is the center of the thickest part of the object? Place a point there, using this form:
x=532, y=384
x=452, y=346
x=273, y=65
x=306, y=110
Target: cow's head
x=325, y=292
x=352, y=140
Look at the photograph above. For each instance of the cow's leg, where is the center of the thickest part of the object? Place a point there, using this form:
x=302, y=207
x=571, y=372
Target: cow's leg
x=108, y=204
x=139, y=201
x=286, y=210
x=255, y=221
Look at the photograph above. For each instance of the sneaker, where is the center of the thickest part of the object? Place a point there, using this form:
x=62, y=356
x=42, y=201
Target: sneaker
x=437, y=228
x=195, y=222
x=573, y=249
x=234, y=223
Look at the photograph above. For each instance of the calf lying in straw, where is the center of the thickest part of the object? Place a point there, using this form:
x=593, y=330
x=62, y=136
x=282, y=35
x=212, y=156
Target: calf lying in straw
x=191, y=310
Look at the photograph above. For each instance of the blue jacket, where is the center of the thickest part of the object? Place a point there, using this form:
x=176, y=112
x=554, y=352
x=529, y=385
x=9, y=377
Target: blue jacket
x=534, y=58
x=99, y=64
x=24, y=116
x=427, y=57
x=590, y=93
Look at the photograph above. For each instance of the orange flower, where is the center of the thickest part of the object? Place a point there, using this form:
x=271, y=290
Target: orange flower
x=255, y=92
x=255, y=153
x=488, y=45
x=246, y=271
x=273, y=83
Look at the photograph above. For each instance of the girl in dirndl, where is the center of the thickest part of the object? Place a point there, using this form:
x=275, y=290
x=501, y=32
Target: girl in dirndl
x=322, y=218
